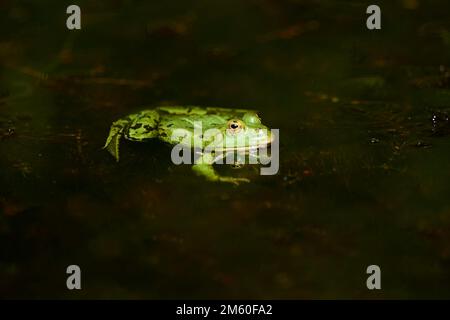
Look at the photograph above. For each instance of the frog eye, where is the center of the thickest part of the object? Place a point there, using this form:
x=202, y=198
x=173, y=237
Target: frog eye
x=234, y=126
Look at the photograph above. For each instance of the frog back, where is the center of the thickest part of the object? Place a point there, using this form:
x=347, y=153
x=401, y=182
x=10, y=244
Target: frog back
x=188, y=123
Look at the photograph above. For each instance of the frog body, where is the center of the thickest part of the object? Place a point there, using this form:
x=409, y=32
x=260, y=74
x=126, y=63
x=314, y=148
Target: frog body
x=221, y=129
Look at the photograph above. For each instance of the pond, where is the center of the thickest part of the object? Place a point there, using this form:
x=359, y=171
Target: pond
x=364, y=150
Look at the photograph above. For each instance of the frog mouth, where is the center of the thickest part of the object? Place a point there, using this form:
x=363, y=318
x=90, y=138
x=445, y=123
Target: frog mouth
x=264, y=143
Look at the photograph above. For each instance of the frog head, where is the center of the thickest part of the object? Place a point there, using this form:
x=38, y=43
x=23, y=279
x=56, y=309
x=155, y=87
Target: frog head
x=243, y=132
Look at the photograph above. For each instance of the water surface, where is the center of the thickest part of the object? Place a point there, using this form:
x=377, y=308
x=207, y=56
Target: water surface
x=364, y=171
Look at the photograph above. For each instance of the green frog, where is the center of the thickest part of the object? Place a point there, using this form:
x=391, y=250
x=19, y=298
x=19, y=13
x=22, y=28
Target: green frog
x=213, y=133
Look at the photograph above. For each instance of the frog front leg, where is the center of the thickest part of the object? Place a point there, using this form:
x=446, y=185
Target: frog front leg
x=204, y=167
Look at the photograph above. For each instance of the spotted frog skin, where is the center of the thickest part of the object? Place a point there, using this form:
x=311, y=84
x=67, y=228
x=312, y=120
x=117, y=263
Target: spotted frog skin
x=239, y=128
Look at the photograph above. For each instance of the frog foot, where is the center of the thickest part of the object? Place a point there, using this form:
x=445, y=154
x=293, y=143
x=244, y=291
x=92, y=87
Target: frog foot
x=206, y=170
x=115, y=134
x=235, y=181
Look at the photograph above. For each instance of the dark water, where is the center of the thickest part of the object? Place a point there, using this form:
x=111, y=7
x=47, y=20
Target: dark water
x=364, y=171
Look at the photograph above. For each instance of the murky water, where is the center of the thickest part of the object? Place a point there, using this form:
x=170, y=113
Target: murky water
x=364, y=171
